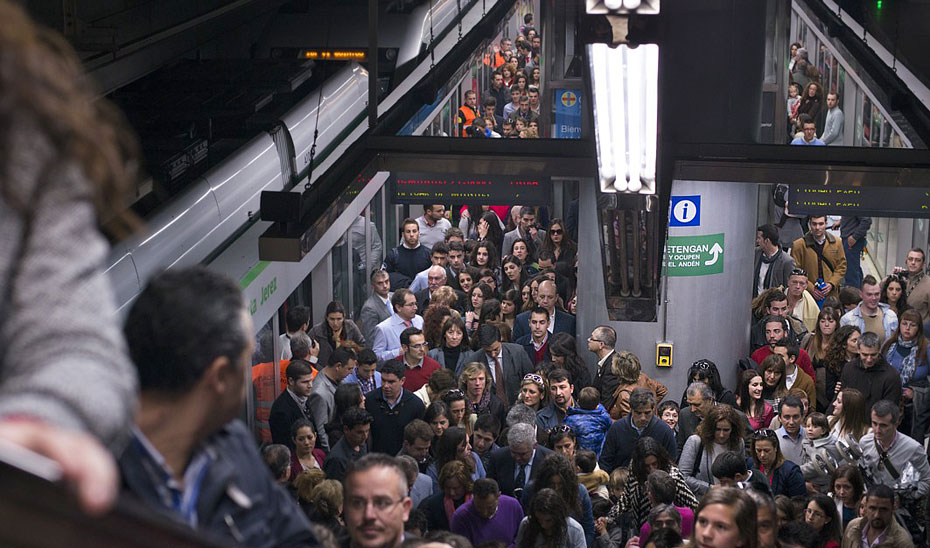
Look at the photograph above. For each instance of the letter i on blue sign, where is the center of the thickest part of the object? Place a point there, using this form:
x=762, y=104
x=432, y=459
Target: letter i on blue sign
x=685, y=211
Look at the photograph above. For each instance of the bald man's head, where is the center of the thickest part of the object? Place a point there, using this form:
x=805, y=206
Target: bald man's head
x=435, y=277
x=547, y=295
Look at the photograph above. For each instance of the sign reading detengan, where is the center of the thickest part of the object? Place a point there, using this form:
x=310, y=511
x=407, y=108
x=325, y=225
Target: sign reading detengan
x=694, y=255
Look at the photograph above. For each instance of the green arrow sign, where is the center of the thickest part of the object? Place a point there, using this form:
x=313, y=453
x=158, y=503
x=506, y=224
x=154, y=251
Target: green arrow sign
x=694, y=255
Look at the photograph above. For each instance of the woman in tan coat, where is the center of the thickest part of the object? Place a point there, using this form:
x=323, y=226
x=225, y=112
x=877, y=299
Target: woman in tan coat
x=627, y=368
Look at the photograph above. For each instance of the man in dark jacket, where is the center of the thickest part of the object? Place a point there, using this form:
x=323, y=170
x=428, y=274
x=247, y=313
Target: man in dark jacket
x=772, y=265
x=871, y=374
x=189, y=458
x=292, y=404
x=392, y=408
x=405, y=261
x=640, y=423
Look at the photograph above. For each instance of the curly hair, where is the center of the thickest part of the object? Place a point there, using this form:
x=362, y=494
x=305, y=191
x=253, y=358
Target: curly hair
x=455, y=470
x=626, y=366
x=558, y=465
x=648, y=447
x=836, y=354
x=45, y=85
x=433, y=319
x=707, y=427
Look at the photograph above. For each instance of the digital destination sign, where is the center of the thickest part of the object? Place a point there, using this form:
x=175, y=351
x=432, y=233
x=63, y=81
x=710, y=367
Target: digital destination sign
x=430, y=188
x=865, y=201
x=327, y=54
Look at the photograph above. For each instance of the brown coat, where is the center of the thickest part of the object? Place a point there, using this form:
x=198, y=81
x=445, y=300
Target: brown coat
x=621, y=406
x=918, y=296
x=802, y=250
x=897, y=536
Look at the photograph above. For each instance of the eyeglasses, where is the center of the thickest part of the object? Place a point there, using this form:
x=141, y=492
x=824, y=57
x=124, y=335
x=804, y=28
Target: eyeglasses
x=419, y=346
x=535, y=378
x=380, y=504
x=798, y=272
x=555, y=231
x=592, y=339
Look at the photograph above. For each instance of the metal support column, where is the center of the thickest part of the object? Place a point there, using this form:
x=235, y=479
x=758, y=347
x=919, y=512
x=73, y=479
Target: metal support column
x=372, y=63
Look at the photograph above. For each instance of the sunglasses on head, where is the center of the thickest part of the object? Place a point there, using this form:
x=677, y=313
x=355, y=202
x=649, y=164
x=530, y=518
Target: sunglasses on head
x=561, y=429
x=798, y=272
x=533, y=377
x=765, y=434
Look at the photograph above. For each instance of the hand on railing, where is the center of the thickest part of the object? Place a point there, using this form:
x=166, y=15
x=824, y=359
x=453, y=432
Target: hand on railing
x=86, y=467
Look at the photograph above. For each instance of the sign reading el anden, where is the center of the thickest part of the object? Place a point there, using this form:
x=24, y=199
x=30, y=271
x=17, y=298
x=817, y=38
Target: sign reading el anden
x=694, y=255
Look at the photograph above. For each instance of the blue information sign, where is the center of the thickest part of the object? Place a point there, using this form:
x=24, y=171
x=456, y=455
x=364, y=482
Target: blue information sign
x=685, y=211
x=567, y=114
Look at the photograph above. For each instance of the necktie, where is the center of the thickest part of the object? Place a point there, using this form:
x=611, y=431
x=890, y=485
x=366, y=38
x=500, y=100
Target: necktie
x=499, y=375
x=521, y=477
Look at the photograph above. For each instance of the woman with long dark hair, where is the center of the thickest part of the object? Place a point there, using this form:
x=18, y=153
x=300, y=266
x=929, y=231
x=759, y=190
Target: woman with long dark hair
x=489, y=231
x=336, y=328
x=485, y=255
x=558, y=242
x=434, y=317
x=305, y=455
x=894, y=294
x=817, y=344
x=649, y=455
x=705, y=371
x=525, y=251
x=476, y=298
x=759, y=412
x=726, y=518
x=455, y=445
x=513, y=273
x=812, y=103
x=851, y=417
x=843, y=348
x=511, y=303
x=453, y=344
x=437, y=417
x=847, y=489
x=821, y=515
x=564, y=353
x=772, y=370
x=721, y=431
x=558, y=473
x=548, y=525
x=784, y=476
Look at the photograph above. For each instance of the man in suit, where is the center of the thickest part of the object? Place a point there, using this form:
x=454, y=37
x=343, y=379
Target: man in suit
x=507, y=363
x=546, y=295
x=526, y=229
x=515, y=466
x=602, y=342
x=377, y=307
x=536, y=344
x=387, y=334
x=435, y=278
x=292, y=404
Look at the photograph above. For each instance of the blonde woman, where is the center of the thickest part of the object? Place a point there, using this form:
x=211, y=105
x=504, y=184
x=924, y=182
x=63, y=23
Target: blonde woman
x=627, y=367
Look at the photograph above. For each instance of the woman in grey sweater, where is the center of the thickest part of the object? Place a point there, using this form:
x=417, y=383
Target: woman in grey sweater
x=722, y=430
x=65, y=374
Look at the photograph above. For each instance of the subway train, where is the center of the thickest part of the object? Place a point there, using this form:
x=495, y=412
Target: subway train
x=222, y=203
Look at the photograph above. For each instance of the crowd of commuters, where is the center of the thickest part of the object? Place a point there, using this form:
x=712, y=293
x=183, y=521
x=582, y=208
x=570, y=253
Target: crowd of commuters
x=457, y=414
x=814, y=116
x=508, y=105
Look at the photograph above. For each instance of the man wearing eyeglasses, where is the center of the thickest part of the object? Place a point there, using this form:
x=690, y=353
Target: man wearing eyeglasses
x=387, y=333
x=602, y=342
x=419, y=365
x=376, y=502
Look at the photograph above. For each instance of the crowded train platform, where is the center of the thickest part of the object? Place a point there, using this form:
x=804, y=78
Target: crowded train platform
x=488, y=275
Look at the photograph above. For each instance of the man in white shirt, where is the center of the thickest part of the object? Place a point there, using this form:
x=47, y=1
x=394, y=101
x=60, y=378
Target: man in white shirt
x=387, y=334
x=433, y=225
x=296, y=320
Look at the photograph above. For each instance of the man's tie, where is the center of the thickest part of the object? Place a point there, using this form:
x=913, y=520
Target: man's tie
x=521, y=477
x=499, y=375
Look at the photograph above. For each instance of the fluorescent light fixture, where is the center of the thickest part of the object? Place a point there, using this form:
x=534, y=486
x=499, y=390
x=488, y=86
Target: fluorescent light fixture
x=625, y=84
x=620, y=7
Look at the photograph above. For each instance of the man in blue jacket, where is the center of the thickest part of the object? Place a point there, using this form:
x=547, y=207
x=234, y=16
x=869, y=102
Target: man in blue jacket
x=189, y=458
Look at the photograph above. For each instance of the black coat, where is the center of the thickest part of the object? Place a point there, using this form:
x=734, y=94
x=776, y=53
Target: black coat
x=284, y=412
x=388, y=426
x=502, y=467
x=259, y=513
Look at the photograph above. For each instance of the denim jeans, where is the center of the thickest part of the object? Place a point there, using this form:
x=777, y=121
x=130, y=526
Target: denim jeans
x=853, y=276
